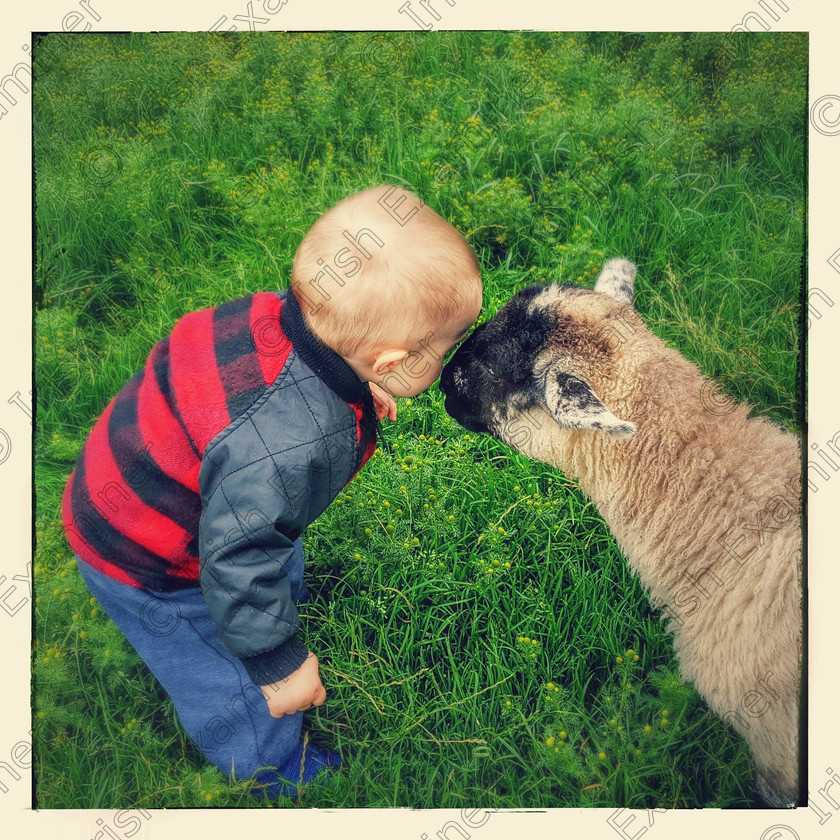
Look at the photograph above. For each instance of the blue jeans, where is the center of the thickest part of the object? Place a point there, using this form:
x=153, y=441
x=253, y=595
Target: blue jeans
x=222, y=711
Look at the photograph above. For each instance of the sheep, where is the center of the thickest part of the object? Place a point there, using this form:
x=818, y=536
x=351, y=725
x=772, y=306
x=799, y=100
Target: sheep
x=703, y=500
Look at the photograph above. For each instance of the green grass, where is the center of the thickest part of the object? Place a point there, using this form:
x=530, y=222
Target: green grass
x=178, y=171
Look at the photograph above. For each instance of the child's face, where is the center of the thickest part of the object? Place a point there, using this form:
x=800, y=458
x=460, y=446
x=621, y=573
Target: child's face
x=424, y=363
x=407, y=367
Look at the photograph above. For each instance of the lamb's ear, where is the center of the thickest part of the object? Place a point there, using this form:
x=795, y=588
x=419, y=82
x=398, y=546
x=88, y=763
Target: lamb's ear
x=616, y=280
x=573, y=405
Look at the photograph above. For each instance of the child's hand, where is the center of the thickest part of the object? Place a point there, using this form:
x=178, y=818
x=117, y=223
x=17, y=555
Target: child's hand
x=299, y=691
x=384, y=403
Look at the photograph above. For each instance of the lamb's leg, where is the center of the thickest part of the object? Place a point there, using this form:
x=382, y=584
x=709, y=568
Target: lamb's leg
x=773, y=796
x=774, y=743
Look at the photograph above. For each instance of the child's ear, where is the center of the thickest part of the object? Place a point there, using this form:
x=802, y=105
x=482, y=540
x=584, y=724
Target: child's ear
x=387, y=360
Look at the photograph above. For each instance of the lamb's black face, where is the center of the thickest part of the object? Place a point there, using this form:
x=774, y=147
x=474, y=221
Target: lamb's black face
x=550, y=350
x=455, y=402
x=491, y=373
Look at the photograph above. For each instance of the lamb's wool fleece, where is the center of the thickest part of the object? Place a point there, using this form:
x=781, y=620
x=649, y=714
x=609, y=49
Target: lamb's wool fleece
x=703, y=500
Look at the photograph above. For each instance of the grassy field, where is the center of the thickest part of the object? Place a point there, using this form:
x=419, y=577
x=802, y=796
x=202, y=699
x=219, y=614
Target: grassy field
x=482, y=639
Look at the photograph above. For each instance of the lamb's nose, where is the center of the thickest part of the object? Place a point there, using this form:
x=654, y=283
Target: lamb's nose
x=445, y=380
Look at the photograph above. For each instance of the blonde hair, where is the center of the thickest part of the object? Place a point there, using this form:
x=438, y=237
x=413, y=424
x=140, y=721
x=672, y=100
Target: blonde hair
x=378, y=263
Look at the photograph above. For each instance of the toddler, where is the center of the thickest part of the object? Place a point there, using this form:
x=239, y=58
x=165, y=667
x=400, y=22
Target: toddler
x=188, y=500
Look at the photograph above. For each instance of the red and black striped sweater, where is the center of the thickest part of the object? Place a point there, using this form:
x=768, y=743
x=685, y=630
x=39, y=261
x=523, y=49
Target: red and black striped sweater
x=208, y=464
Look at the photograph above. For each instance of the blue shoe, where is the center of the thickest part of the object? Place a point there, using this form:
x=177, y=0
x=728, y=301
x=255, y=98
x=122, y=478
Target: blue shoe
x=288, y=780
